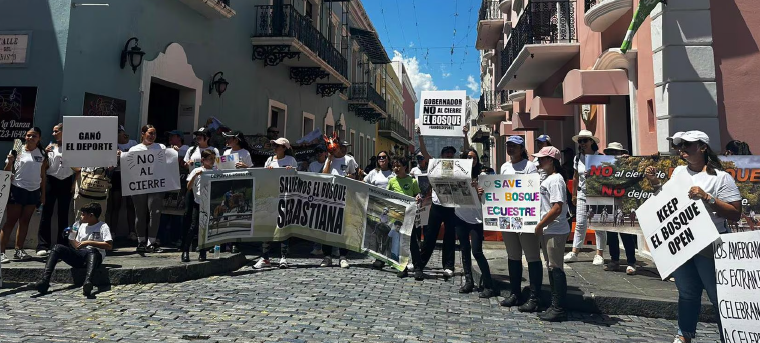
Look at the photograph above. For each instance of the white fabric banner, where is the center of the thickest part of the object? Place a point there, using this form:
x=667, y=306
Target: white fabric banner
x=676, y=228
x=737, y=257
x=90, y=141
x=442, y=113
x=150, y=171
x=511, y=203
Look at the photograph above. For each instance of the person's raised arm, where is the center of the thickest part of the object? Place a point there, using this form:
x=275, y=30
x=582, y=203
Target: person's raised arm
x=466, y=138
x=423, y=148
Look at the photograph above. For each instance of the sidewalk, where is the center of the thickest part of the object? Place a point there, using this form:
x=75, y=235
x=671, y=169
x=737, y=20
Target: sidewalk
x=592, y=289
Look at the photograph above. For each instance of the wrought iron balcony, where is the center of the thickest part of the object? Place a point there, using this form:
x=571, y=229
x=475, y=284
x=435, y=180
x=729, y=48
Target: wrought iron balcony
x=366, y=102
x=389, y=126
x=287, y=22
x=542, y=22
x=491, y=100
x=489, y=10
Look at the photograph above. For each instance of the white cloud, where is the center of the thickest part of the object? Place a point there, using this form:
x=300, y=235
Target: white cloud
x=420, y=81
x=472, y=84
x=457, y=88
x=411, y=44
x=444, y=73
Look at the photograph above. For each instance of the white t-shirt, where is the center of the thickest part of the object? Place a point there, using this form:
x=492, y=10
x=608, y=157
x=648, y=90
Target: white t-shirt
x=416, y=171
x=99, y=232
x=273, y=162
x=343, y=166
x=197, y=183
x=28, y=167
x=195, y=158
x=379, y=178
x=580, y=167
x=128, y=145
x=57, y=167
x=553, y=191
x=721, y=186
x=244, y=155
x=522, y=167
x=316, y=167
x=143, y=147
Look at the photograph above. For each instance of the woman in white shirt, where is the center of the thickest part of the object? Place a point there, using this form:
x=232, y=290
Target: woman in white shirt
x=193, y=156
x=519, y=243
x=238, y=145
x=279, y=160
x=719, y=193
x=587, y=145
x=553, y=229
x=379, y=177
x=148, y=206
x=60, y=179
x=26, y=193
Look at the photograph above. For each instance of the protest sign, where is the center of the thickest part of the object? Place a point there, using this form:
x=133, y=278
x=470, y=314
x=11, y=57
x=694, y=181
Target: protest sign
x=5, y=190
x=442, y=113
x=149, y=171
x=737, y=257
x=616, y=187
x=321, y=208
x=227, y=161
x=511, y=202
x=452, y=182
x=675, y=227
x=423, y=208
x=90, y=141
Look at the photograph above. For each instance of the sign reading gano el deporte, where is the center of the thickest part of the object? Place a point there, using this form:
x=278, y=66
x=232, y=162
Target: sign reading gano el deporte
x=442, y=113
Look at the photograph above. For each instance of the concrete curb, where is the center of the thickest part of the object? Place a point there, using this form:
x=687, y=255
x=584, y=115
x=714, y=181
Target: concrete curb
x=608, y=303
x=178, y=272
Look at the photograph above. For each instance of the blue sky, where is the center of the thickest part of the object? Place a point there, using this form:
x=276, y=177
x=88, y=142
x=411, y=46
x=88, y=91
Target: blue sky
x=422, y=33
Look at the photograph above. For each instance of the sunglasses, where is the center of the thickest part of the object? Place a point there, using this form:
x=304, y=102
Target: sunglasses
x=584, y=140
x=382, y=157
x=682, y=145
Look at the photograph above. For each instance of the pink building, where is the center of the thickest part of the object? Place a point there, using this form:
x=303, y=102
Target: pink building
x=410, y=102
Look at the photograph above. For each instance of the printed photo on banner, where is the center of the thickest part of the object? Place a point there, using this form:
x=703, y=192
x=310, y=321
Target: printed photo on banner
x=5, y=190
x=90, y=141
x=616, y=187
x=451, y=181
x=149, y=171
x=230, y=206
x=737, y=257
x=675, y=227
x=511, y=203
x=383, y=235
x=423, y=208
x=442, y=113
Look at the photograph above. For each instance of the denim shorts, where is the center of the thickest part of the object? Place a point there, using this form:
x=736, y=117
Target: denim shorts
x=23, y=197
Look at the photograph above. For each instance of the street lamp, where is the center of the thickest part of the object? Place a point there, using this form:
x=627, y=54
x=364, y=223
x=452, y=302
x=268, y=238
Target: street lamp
x=134, y=55
x=220, y=85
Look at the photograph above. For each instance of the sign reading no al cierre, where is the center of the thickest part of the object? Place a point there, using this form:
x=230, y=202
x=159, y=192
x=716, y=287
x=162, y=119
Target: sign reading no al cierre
x=442, y=113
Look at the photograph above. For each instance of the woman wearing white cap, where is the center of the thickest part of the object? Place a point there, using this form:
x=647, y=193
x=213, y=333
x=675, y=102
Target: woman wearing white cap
x=719, y=192
x=553, y=229
x=587, y=145
x=629, y=240
x=519, y=243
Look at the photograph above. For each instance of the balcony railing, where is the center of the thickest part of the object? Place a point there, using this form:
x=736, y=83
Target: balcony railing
x=489, y=10
x=590, y=3
x=364, y=92
x=289, y=23
x=390, y=124
x=543, y=22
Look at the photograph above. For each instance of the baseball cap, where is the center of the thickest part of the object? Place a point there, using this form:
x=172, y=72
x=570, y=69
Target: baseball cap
x=281, y=141
x=516, y=140
x=690, y=136
x=544, y=138
x=548, y=151
x=420, y=156
x=201, y=131
x=344, y=143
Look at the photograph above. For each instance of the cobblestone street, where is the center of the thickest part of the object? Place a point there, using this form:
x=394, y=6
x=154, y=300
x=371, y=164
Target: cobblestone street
x=304, y=304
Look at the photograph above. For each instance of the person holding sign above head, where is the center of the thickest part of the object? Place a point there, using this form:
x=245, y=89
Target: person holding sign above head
x=379, y=177
x=279, y=160
x=29, y=166
x=60, y=181
x=629, y=240
x=518, y=244
x=587, y=145
x=208, y=158
x=341, y=164
x=553, y=229
x=148, y=206
x=238, y=145
x=719, y=192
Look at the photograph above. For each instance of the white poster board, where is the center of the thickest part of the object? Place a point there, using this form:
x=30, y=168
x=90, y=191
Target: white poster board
x=150, y=171
x=452, y=182
x=511, y=203
x=227, y=161
x=90, y=141
x=442, y=113
x=737, y=257
x=676, y=228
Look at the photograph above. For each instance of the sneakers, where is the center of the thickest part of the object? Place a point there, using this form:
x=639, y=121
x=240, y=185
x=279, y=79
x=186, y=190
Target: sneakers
x=571, y=257
x=326, y=262
x=21, y=255
x=317, y=252
x=262, y=263
x=284, y=263
x=447, y=273
x=4, y=259
x=679, y=339
x=631, y=270
x=410, y=266
x=598, y=260
x=43, y=253
x=344, y=262
x=612, y=266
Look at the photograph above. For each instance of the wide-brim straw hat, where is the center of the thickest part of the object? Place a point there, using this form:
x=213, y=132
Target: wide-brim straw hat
x=615, y=146
x=585, y=134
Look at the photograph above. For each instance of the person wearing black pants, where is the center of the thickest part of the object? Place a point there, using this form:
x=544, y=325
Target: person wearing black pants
x=58, y=191
x=473, y=232
x=438, y=215
x=629, y=243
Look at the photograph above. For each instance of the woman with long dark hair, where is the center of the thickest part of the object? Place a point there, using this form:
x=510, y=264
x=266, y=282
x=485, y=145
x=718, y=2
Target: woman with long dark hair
x=148, y=206
x=718, y=191
x=238, y=145
x=29, y=166
x=60, y=179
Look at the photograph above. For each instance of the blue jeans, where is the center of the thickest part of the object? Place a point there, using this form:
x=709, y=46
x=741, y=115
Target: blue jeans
x=692, y=277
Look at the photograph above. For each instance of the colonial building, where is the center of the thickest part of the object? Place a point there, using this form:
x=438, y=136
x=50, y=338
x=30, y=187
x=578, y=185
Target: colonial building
x=393, y=133
x=409, y=104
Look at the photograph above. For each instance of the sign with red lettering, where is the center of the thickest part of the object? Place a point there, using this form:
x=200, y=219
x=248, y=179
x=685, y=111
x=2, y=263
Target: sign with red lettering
x=675, y=227
x=149, y=171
